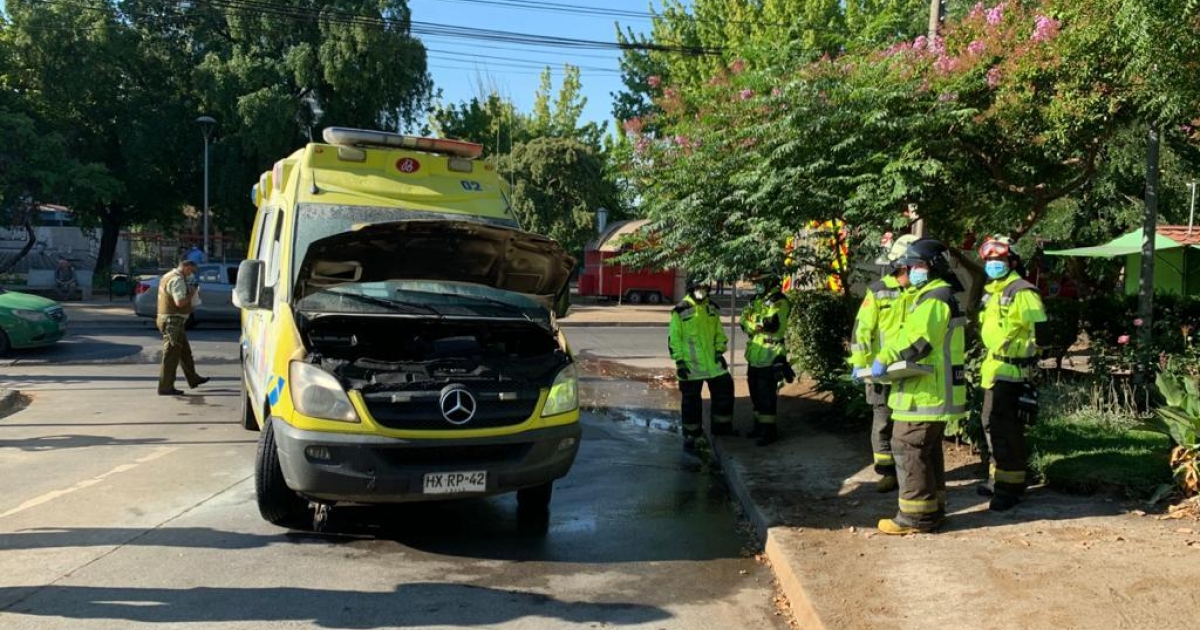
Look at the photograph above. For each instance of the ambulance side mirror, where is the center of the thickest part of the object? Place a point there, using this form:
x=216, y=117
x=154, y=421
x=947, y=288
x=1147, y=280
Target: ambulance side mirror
x=248, y=292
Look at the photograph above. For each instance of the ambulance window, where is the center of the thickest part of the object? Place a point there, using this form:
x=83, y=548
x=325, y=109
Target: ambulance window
x=260, y=232
x=273, y=253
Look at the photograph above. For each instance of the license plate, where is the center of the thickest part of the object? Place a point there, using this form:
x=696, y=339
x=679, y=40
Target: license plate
x=450, y=483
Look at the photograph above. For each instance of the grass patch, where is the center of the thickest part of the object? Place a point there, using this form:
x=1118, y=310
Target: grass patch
x=1083, y=453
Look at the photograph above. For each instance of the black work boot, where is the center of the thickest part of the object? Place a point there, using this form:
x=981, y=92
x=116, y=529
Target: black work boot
x=1003, y=502
x=756, y=431
x=985, y=489
x=770, y=433
x=689, y=445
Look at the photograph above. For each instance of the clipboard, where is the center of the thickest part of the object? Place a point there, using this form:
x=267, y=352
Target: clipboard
x=897, y=371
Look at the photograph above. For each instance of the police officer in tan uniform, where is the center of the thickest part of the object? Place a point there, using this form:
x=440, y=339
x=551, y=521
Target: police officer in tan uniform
x=176, y=301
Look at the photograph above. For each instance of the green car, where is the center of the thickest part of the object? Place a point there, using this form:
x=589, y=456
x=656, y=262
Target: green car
x=28, y=321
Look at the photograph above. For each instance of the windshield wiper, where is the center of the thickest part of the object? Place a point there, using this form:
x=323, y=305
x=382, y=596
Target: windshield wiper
x=507, y=306
x=393, y=305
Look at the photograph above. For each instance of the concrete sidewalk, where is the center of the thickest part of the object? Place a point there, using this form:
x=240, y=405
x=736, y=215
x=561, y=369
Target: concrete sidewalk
x=1054, y=562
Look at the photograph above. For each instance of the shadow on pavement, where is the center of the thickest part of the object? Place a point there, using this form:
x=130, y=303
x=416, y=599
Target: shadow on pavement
x=819, y=476
x=408, y=605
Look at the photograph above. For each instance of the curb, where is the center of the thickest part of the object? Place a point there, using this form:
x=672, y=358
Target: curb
x=799, y=603
x=8, y=400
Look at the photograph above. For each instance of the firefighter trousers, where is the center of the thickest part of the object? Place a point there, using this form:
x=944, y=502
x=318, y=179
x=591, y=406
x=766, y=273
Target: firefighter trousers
x=763, y=383
x=1005, y=437
x=921, y=471
x=881, y=429
x=691, y=406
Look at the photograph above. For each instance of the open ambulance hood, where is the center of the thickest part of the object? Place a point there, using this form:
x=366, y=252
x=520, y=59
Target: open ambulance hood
x=449, y=251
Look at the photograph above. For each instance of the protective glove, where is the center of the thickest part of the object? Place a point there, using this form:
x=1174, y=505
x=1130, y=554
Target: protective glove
x=723, y=362
x=856, y=378
x=681, y=370
x=878, y=368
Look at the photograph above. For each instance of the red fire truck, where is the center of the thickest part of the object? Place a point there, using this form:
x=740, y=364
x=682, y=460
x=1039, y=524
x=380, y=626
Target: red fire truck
x=618, y=282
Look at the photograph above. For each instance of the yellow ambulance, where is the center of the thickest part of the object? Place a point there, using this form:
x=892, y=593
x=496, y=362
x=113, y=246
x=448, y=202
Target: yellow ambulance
x=399, y=333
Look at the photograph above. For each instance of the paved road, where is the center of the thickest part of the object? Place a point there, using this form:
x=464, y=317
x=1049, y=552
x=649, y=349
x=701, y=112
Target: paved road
x=126, y=509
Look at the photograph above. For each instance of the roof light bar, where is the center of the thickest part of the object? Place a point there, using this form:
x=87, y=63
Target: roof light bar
x=345, y=136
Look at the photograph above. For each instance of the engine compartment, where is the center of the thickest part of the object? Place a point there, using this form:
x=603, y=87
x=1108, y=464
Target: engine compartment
x=387, y=354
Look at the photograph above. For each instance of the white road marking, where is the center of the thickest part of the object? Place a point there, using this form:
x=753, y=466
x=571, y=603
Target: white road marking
x=87, y=483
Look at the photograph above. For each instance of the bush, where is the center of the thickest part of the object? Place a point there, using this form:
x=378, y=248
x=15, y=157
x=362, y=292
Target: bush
x=817, y=340
x=1062, y=329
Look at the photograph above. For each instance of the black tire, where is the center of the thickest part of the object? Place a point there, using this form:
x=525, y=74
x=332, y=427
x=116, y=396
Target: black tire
x=5, y=346
x=654, y=297
x=634, y=297
x=533, y=508
x=276, y=502
x=249, y=422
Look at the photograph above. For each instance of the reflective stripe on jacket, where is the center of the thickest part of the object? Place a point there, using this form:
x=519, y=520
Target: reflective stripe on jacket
x=1011, y=308
x=764, y=321
x=932, y=335
x=695, y=337
x=878, y=321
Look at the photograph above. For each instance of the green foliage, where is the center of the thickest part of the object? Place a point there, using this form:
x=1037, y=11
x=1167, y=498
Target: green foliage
x=557, y=184
x=816, y=338
x=497, y=124
x=1062, y=329
x=1083, y=454
x=122, y=83
x=1179, y=385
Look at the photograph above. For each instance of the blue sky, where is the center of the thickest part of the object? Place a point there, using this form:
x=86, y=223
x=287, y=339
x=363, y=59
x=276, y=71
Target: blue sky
x=461, y=72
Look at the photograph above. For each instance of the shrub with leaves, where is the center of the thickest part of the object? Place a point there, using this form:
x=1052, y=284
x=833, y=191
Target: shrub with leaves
x=1180, y=420
x=817, y=337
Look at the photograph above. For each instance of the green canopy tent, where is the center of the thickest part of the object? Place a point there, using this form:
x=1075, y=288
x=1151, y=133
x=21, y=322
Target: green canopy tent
x=1176, y=258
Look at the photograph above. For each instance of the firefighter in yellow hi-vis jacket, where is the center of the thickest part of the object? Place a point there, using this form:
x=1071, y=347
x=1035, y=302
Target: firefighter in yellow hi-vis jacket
x=1011, y=310
x=932, y=337
x=764, y=321
x=878, y=321
x=697, y=346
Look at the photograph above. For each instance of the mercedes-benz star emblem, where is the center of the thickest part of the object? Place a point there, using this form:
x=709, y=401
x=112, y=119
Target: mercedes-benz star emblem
x=458, y=406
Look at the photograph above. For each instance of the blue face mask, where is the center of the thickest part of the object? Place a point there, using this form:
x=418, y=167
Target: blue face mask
x=918, y=277
x=995, y=269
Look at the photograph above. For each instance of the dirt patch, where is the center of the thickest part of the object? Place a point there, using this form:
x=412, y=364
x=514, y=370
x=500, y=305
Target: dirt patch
x=1056, y=561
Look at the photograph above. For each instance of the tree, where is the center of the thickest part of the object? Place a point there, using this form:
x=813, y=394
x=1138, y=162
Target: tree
x=497, y=124
x=493, y=122
x=557, y=185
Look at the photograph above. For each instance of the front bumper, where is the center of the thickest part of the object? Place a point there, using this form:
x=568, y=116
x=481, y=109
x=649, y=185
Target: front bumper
x=36, y=334
x=375, y=469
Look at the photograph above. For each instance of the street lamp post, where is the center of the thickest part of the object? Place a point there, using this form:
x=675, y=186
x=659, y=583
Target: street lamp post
x=206, y=126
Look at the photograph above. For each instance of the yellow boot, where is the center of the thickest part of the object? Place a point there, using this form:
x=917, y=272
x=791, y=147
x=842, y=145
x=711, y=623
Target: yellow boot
x=892, y=528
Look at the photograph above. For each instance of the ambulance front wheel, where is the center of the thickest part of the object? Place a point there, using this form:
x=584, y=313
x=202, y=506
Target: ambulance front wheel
x=276, y=502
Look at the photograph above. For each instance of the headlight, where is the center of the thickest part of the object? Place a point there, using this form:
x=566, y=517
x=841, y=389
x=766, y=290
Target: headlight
x=564, y=393
x=318, y=394
x=33, y=316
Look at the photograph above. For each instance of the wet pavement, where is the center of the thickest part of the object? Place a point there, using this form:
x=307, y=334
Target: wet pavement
x=127, y=509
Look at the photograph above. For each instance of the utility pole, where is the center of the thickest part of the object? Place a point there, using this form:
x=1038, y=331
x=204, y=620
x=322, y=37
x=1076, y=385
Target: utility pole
x=1149, y=227
x=937, y=15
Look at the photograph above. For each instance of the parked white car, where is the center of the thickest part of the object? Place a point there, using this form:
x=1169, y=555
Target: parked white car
x=216, y=295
